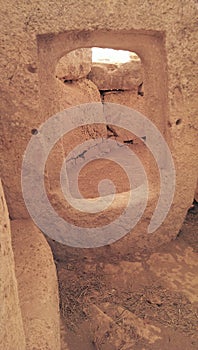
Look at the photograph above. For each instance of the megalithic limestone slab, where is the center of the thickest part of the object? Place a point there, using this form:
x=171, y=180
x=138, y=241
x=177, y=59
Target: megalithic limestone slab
x=11, y=326
x=37, y=285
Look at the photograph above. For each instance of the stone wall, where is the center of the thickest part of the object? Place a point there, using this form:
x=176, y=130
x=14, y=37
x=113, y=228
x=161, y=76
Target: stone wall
x=35, y=36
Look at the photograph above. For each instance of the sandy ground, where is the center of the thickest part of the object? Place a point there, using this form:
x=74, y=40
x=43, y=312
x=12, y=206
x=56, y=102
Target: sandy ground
x=122, y=304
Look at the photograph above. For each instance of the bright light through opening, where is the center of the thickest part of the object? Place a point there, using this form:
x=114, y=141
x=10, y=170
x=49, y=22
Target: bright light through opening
x=112, y=56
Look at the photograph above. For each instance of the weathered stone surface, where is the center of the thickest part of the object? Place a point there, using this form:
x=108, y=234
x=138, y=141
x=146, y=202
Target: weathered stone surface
x=34, y=39
x=104, y=324
x=75, y=65
x=69, y=95
x=171, y=270
x=11, y=327
x=126, y=76
x=37, y=286
x=128, y=98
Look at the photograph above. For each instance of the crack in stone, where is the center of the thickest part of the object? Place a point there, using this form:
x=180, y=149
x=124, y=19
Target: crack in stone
x=82, y=154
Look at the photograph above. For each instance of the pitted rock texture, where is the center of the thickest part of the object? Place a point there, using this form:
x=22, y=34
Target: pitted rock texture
x=35, y=37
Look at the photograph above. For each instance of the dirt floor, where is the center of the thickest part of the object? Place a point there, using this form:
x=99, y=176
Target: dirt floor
x=122, y=304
